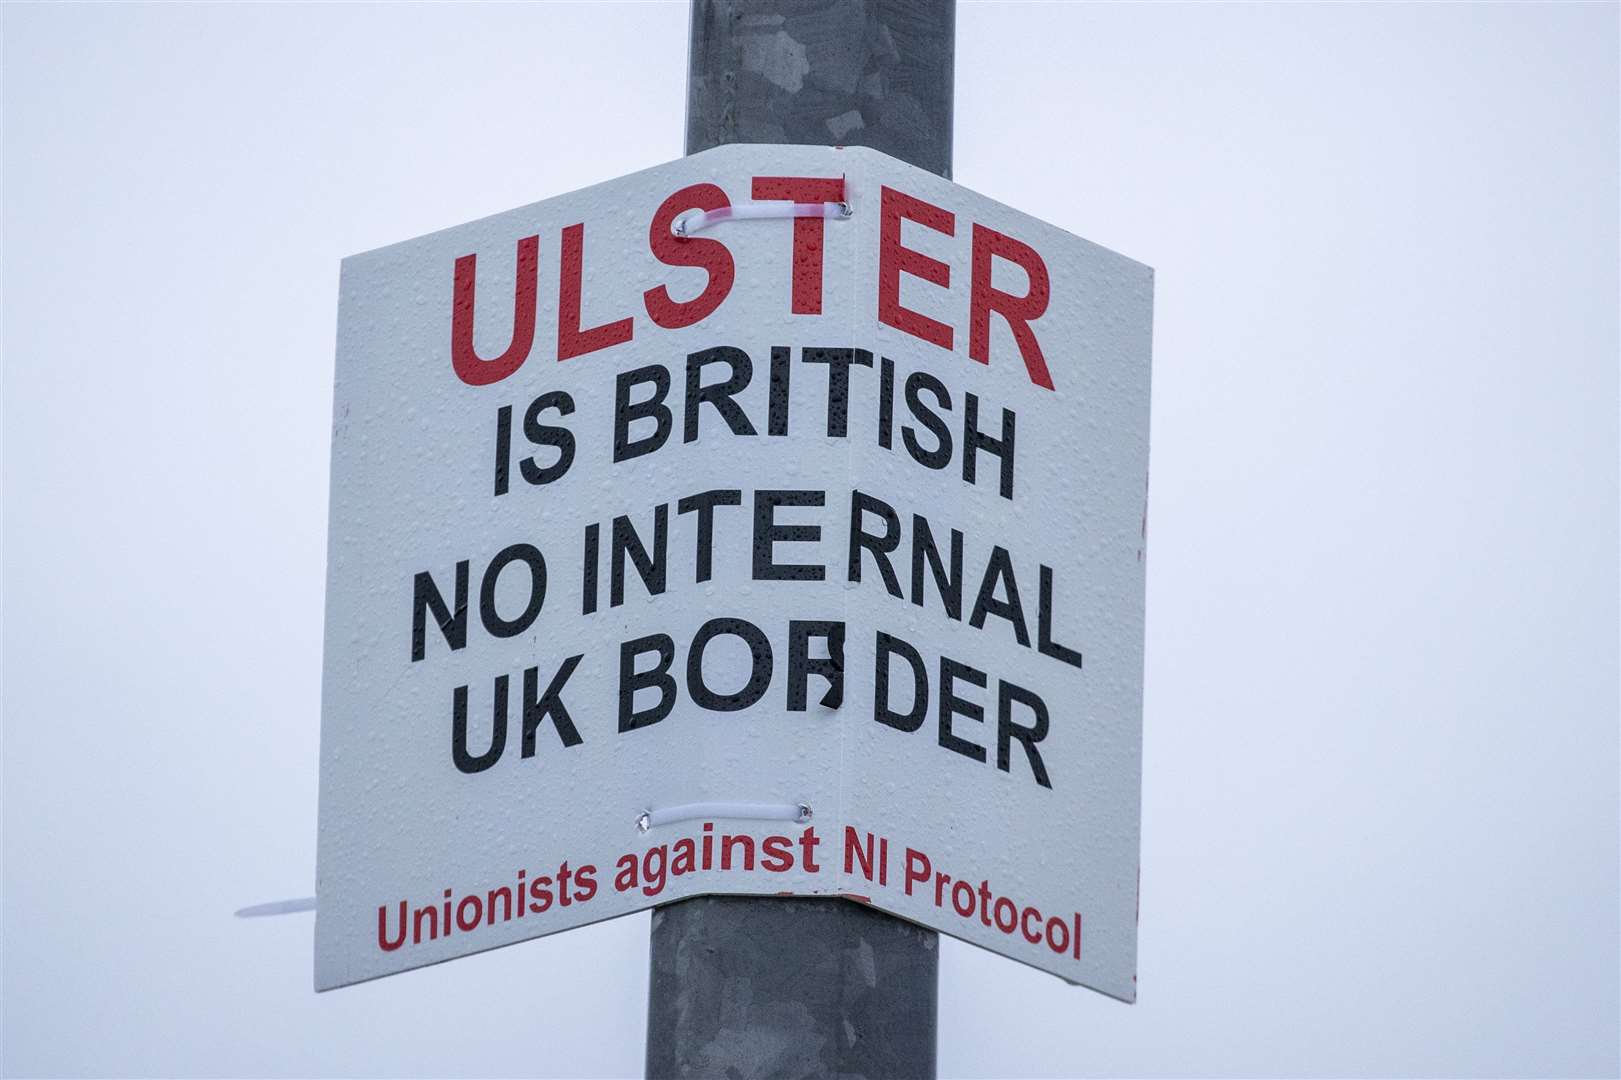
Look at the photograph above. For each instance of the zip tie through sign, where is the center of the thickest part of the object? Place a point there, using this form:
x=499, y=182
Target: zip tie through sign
x=647, y=819
x=698, y=220
x=710, y=811
x=277, y=907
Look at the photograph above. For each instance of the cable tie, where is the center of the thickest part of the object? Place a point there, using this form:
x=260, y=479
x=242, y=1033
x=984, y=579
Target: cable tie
x=698, y=220
x=277, y=907
x=709, y=811
x=646, y=820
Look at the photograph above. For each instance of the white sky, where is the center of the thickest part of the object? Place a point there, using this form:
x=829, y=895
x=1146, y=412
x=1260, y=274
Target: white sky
x=1380, y=797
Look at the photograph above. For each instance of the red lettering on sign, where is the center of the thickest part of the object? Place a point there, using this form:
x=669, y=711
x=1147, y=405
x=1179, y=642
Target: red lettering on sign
x=1019, y=311
x=807, y=275
x=1024, y=925
x=469, y=367
x=894, y=260
x=571, y=339
x=918, y=869
x=705, y=254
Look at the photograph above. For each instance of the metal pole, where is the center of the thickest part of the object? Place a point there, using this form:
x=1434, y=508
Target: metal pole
x=765, y=986
x=872, y=73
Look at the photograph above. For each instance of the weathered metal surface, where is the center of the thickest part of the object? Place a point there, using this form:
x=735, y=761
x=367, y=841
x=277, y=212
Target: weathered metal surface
x=877, y=74
x=768, y=987
x=872, y=73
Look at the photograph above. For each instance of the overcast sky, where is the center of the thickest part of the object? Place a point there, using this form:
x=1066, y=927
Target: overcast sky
x=1380, y=804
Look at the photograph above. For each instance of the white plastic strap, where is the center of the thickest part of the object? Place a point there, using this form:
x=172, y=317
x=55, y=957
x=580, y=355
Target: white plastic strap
x=710, y=811
x=698, y=220
x=277, y=907
x=647, y=819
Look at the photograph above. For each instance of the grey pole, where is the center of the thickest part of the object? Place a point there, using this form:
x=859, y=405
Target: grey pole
x=766, y=986
x=872, y=73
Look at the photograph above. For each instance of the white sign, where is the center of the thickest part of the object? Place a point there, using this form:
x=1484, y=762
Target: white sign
x=682, y=545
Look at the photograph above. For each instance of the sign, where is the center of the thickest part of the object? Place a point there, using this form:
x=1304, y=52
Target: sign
x=690, y=536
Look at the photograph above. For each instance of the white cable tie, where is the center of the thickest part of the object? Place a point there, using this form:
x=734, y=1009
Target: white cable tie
x=698, y=220
x=277, y=907
x=709, y=811
x=647, y=819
